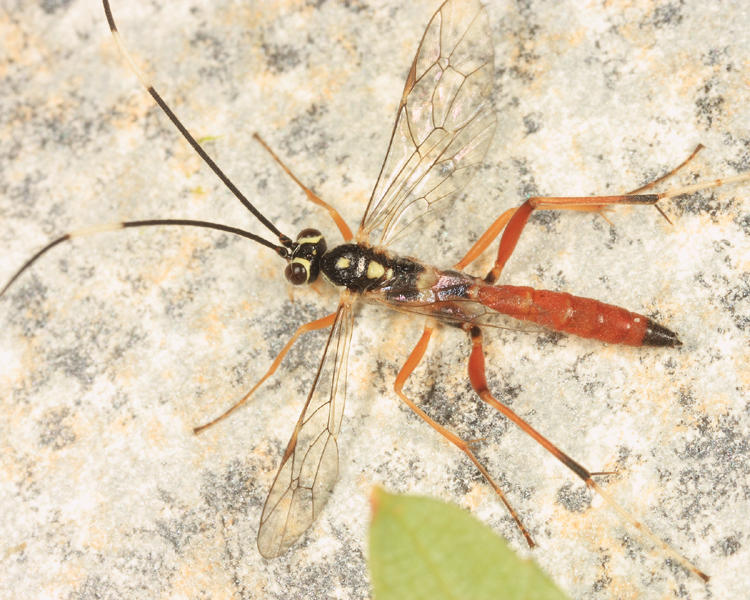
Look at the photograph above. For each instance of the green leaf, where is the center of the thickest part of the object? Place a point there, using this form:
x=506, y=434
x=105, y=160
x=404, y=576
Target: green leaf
x=424, y=548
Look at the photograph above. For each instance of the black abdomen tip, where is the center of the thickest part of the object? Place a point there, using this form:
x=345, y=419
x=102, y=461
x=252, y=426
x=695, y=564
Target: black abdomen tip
x=658, y=335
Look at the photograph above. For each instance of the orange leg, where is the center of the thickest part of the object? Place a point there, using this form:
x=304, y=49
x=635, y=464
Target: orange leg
x=485, y=239
x=513, y=220
x=479, y=383
x=411, y=363
x=519, y=219
x=311, y=196
x=326, y=321
x=589, y=204
x=596, y=203
x=668, y=174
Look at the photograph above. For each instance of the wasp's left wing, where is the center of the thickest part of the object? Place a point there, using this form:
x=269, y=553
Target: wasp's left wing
x=310, y=464
x=444, y=124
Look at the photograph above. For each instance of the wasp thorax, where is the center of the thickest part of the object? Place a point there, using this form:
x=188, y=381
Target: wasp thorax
x=304, y=264
x=356, y=267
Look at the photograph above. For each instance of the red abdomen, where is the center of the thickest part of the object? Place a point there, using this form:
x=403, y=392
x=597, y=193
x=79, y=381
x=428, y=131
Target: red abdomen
x=583, y=317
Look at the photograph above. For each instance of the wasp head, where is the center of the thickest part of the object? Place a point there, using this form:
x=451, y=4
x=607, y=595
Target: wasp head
x=304, y=260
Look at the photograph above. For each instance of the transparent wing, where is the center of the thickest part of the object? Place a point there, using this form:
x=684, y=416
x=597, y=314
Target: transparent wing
x=455, y=312
x=310, y=464
x=444, y=124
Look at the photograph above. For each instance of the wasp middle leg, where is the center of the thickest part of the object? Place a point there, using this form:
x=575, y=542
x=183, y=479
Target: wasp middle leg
x=322, y=323
x=406, y=370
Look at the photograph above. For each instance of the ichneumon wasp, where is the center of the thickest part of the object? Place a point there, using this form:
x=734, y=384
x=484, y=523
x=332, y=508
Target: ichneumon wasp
x=386, y=265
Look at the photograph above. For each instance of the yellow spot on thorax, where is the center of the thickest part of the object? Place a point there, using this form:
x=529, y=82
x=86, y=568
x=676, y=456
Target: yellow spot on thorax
x=375, y=270
x=343, y=263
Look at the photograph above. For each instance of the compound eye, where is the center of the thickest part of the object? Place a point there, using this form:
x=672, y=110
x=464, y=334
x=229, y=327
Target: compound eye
x=295, y=273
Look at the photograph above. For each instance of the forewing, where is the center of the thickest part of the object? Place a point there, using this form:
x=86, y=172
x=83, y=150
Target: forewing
x=453, y=312
x=444, y=124
x=310, y=464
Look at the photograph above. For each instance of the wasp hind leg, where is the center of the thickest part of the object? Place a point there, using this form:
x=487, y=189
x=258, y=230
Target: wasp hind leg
x=512, y=222
x=479, y=383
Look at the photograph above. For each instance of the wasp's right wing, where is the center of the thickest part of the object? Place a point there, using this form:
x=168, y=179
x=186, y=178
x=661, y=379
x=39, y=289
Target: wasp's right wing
x=310, y=464
x=444, y=124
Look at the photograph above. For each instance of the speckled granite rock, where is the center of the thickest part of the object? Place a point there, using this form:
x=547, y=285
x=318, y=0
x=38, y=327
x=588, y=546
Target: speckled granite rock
x=113, y=348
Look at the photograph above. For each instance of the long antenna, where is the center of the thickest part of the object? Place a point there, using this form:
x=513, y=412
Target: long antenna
x=280, y=250
x=285, y=240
